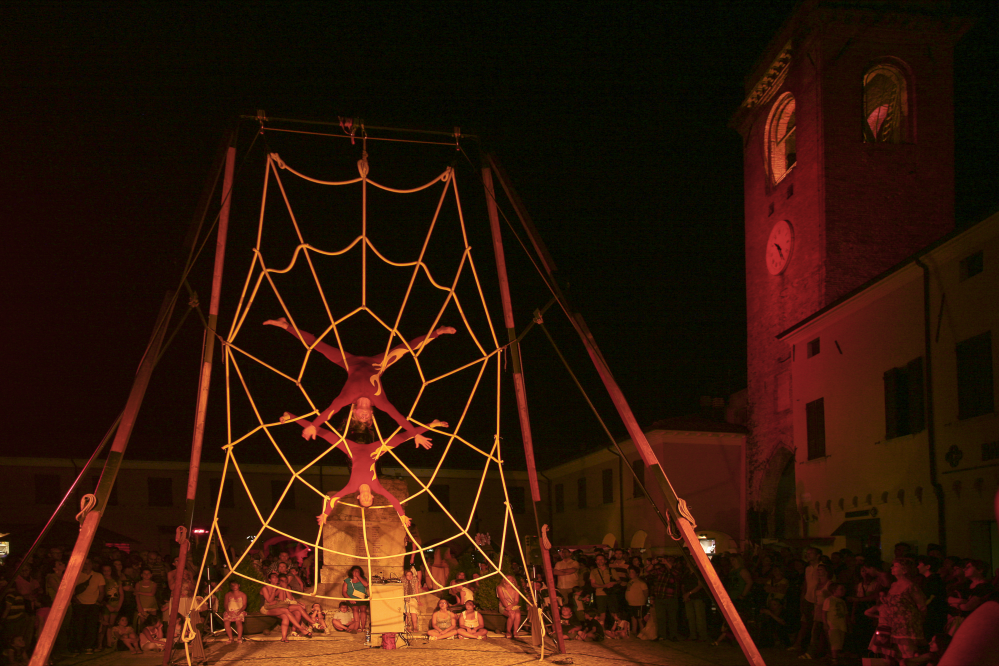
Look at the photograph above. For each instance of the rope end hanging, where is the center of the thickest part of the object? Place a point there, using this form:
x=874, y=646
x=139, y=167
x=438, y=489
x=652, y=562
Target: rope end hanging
x=87, y=504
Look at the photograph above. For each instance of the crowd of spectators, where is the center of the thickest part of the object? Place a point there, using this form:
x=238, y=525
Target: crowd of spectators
x=120, y=601
x=836, y=605
x=819, y=605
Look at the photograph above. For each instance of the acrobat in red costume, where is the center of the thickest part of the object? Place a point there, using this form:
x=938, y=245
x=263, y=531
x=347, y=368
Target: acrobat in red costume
x=363, y=479
x=364, y=374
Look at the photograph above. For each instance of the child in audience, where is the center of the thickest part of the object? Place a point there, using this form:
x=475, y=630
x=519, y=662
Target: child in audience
x=343, y=619
x=123, y=631
x=318, y=618
x=620, y=628
x=151, y=637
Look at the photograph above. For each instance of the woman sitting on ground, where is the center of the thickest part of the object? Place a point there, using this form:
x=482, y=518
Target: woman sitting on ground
x=442, y=623
x=470, y=622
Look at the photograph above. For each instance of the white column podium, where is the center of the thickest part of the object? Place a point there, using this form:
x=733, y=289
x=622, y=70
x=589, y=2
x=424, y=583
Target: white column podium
x=387, y=611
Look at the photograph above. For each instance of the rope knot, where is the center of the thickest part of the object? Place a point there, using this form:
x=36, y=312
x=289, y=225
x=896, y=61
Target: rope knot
x=87, y=504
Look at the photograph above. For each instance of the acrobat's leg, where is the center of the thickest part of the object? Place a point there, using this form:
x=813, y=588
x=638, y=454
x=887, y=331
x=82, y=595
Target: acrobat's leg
x=382, y=403
x=351, y=487
x=376, y=487
x=329, y=351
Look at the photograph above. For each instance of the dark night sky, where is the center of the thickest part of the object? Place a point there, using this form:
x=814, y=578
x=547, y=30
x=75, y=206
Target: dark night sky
x=610, y=119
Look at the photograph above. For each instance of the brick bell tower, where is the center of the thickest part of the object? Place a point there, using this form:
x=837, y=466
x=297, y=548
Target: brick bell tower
x=848, y=133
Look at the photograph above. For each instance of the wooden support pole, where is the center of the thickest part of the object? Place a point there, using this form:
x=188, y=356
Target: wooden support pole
x=521, y=392
x=43, y=648
x=208, y=350
x=681, y=517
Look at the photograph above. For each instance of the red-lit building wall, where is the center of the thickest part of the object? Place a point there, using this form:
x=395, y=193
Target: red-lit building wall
x=856, y=208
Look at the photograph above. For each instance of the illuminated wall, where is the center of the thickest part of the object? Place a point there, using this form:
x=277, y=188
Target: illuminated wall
x=705, y=468
x=869, y=369
x=856, y=206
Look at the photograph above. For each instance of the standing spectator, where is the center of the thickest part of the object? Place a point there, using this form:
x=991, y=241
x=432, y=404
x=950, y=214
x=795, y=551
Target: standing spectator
x=54, y=577
x=15, y=622
x=86, y=610
x=808, y=596
x=158, y=568
x=112, y=602
x=905, y=604
x=619, y=568
x=835, y=611
x=971, y=597
x=637, y=596
x=602, y=580
x=145, y=597
x=936, y=595
x=773, y=623
x=823, y=590
x=566, y=572
x=665, y=591
x=694, y=598
x=411, y=602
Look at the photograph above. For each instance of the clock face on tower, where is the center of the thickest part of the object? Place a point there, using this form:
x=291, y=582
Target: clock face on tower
x=779, y=247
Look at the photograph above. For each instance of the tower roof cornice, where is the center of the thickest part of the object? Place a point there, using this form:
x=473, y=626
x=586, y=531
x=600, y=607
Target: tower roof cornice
x=912, y=19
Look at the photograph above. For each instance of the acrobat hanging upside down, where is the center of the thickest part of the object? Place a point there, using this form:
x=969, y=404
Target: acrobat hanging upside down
x=364, y=455
x=364, y=375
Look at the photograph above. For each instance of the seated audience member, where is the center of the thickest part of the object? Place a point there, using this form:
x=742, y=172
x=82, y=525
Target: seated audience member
x=151, y=637
x=570, y=625
x=938, y=645
x=470, y=622
x=620, y=627
x=509, y=605
x=317, y=618
x=443, y=623
x=122, y=636
x=235, y=611
x=590, y=629
x=344, y=620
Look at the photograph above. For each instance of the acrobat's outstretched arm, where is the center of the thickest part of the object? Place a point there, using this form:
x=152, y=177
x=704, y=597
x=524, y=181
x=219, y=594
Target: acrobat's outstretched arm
x=416, y=433
x=335, y=354
x=326, y=434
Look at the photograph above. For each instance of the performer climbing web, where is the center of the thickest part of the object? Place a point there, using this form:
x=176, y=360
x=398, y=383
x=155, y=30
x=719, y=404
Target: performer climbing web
x=363, y=380
x=363, y=478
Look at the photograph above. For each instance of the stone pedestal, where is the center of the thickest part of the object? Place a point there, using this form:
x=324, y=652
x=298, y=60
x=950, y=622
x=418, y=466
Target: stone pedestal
x=380, y=535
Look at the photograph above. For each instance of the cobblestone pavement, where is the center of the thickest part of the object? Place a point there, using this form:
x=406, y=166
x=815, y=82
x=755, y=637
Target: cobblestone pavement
x=492, y=651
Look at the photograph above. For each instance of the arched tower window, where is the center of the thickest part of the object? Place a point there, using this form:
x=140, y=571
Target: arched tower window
x=781, y=153
x=886, y=105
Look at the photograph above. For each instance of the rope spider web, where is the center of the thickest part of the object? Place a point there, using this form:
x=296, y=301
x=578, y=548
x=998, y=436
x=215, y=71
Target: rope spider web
x=312, y=259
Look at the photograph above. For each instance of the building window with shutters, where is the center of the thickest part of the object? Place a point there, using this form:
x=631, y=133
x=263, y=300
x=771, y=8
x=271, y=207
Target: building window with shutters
x=638, y=466
x=581, y=492
x=815, y=418
x=559, y=498
x=975, y=391
x=905, y=412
